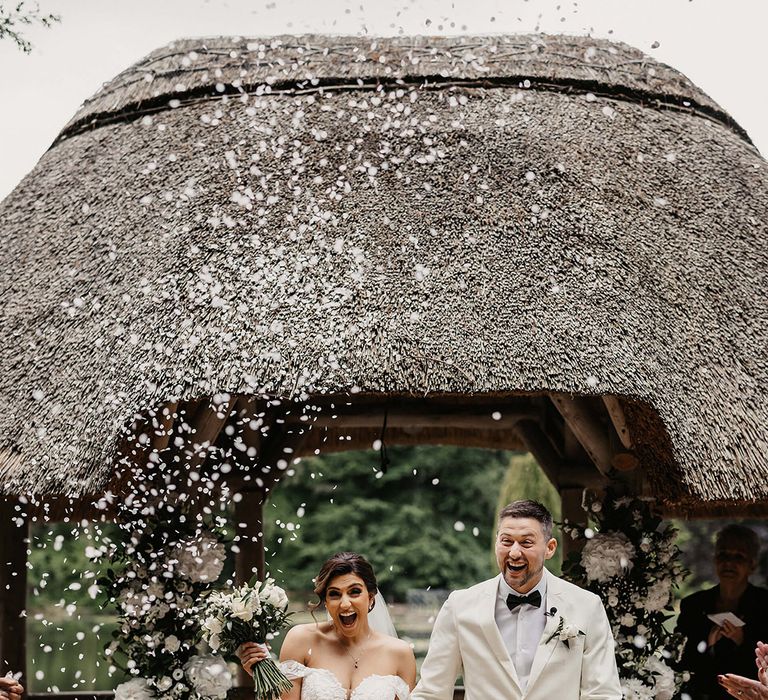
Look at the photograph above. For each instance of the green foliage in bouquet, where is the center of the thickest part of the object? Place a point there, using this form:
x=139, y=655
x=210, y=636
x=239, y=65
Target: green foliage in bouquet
x=630, y=560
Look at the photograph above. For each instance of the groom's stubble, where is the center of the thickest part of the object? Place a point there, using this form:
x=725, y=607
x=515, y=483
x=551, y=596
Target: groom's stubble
x=521, y=550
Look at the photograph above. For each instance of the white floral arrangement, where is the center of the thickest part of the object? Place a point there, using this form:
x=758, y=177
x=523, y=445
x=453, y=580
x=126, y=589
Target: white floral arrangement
x=159, y=569
x=254, y=612
x=630, y=560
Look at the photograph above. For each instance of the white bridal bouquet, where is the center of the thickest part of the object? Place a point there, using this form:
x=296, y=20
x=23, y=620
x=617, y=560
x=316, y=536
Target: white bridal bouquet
x=254, y=612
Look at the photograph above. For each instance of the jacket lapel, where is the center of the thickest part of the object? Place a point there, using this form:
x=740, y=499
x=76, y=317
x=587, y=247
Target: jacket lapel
x=545, y=650
x=491, y=630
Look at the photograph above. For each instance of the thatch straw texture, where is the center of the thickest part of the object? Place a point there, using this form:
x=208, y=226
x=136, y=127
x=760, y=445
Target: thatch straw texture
x=409, y=216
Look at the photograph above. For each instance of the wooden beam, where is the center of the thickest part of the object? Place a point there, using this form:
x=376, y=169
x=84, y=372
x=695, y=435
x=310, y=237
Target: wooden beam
x=207, y=422
x=564, y=474
x=538, y=444
x=14, y=540
x=587, y=428
x=416, y=420
x=328, y=440
x=619, y=420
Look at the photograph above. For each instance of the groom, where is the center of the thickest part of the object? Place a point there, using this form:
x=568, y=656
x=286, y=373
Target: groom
x=525, y=633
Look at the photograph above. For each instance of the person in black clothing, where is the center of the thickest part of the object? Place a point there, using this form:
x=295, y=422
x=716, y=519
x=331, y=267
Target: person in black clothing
x=712, y=650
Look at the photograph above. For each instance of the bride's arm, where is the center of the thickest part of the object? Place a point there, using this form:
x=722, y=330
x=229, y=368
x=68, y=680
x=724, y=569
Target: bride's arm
x=295, y=647
x=406, y=664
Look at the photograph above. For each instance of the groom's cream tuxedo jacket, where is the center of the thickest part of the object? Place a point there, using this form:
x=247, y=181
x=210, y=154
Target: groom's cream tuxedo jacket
x=466, y=637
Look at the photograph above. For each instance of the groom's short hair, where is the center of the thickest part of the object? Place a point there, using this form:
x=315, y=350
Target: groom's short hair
x=529, y=509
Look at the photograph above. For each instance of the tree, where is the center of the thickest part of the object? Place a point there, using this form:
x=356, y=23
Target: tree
x=14, y=19
x=60, y=571
x=424, y=523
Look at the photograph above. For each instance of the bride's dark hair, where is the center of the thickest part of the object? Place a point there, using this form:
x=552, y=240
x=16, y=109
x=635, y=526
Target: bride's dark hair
x=340, y=564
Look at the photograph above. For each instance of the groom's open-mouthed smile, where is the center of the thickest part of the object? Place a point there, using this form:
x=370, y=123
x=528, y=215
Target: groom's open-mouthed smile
x=521, y=549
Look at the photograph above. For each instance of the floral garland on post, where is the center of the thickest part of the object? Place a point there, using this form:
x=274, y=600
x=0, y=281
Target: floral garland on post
x=158, y=571
x=630, y=560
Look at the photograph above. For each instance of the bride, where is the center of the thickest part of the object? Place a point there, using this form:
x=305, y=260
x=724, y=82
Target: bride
x=344, y=658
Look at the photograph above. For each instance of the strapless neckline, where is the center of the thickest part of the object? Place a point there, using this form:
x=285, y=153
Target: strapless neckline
x=329, y=687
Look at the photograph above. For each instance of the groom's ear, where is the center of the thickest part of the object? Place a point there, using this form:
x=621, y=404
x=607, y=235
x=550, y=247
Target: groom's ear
x=551, y=548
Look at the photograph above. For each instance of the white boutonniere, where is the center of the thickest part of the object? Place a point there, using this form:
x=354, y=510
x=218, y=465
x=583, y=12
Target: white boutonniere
x=565, y=632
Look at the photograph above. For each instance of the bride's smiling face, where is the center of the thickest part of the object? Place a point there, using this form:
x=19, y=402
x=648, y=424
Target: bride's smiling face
x=348, y=603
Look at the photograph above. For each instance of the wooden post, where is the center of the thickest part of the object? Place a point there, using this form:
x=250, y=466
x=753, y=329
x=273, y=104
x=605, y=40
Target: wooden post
x=248, y=517
x=14, y=540
x=249, y=560
x=619, y=420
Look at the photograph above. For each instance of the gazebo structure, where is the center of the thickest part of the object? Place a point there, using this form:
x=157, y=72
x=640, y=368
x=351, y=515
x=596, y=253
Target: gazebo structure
x=241, y=251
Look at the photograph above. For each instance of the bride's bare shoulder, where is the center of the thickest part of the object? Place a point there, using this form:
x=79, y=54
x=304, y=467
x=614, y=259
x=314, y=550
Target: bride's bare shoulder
x=305, y=632
x=394, y=645
x=298, y=642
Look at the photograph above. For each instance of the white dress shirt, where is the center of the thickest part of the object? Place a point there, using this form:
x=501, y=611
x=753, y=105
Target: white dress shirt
x=521, y=628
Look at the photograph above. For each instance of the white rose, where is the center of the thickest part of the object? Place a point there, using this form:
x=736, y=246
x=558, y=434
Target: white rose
x=164, y=684
x=172, y=643
x=664, y=677
x=635, y=689
x=277, y=597
x=160, y=610
x=200, y=559
x=213, y=625
x=606, y=555
x=241, y=610
x=658, y=595
x=155, y=590
x=568, y=632
x=628, y=620
x=134, y=689
x=209, y=676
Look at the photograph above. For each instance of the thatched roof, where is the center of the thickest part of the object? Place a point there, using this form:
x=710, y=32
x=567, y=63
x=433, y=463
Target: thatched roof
x=402, y=217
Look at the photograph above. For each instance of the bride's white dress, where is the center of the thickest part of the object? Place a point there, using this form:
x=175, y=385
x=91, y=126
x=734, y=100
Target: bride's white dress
x=322, y=684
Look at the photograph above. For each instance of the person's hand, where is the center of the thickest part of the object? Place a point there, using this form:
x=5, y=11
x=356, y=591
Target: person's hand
x=251, y=653
x=761, y=660
x=735, y=634
x=10, y=688
x=743, y=688
x=715, y=634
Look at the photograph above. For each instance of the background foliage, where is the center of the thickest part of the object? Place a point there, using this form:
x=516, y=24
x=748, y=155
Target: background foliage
x=424, y=523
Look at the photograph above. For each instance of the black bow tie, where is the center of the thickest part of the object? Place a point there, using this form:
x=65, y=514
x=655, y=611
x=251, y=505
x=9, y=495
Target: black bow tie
x=533, y=599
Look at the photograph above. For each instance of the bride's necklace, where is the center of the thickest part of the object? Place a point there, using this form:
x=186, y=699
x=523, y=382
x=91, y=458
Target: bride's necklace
x=356, y=659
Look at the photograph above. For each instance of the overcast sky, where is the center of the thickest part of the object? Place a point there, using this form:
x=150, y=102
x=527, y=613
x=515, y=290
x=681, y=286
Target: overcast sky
x=721, y=46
